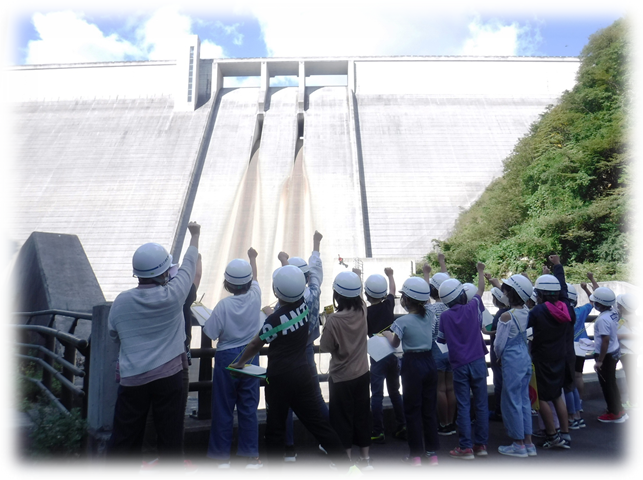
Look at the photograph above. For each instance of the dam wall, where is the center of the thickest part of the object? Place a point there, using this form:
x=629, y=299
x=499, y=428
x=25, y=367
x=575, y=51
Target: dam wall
x=381, y=166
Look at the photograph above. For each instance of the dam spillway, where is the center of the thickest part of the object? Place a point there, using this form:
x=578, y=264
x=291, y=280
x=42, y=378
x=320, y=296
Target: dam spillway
x=380, y=166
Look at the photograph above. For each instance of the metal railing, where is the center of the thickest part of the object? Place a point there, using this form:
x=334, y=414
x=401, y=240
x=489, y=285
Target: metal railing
x=46, y=357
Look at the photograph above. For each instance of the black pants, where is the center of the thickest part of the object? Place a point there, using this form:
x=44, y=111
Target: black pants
x=629, y=367
x=165, y=397
x=296, y=389
x=350, y=410
x=607, y=379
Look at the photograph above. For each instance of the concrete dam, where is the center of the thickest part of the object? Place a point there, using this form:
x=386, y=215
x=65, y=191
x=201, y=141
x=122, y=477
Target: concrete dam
x=381, y=160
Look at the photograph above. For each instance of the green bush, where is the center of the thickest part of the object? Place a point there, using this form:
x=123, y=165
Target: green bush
x=56, y=434
x=566, y=185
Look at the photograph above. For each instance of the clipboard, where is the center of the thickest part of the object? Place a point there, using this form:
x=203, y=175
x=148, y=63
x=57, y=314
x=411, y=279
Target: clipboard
x=379, y=347
x=250, y=370
x=201, y=312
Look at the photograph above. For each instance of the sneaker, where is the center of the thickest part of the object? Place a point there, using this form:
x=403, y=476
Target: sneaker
x=611, y=418
x=553, y=441
x=627, y=405
x=290, y=456
x=480, y=450
x=254, y=463
x=581, y=423
x=364, y=464
x=573, y=424
x=400, y=434
x=413, y=461
x=353, y=473
x=432, y=457
x=534, y=413
x=224, y=465
x=446, y=429
x=151, y=468
x=464, y=454
x=189, y=468
x=379, y=439
x=514, y=450
x=531, y=449
x=566, y=441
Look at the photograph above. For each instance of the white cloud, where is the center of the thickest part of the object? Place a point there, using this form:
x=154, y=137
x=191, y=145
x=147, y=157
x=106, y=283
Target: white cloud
x=233, y=31
x=67, y=37
x=367, y=27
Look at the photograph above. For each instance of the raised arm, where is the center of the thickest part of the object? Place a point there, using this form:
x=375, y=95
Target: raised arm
x=443, y=265
x=199, y=272
x=388, y=271
x=480, y=267
x=590, y=275
x=493, y=281
x=283, y=258
x=252, y=256
x=317, y=237
x=195, y=231
x=426, y=271
x=583, y=285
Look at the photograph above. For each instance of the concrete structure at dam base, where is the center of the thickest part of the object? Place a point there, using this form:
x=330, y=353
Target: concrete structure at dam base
x=125, y=153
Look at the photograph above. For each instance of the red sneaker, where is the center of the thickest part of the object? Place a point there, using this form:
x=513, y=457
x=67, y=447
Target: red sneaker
x=463, y=453
x=480, y=450
x=611, y=418
x=149, y=469
x=190, y=468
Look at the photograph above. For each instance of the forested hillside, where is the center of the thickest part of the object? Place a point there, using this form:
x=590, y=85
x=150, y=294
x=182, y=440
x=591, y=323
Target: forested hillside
x=565, y=187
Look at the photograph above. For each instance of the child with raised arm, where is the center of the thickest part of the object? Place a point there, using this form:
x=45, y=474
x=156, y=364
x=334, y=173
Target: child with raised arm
x=379, y=318
x=446, y=396
x=345, y=337
x=460, y=329
x=419, y=373
x=314, y=276
x=289, y=383
x=234, y=322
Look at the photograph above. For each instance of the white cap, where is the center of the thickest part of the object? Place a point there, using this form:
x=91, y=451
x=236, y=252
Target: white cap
x=238, y=272
x=437, y=279
x=628, y=301
x=522, y=286
x=416, y=288
x=572, y=294
x=604, y=296
x=449, y=290
x=501, y=297
x=348, y=284
x=471, y=290
x=376, y=286
x=288, y=283
x=150, y=260
x=300, y=263
x=547, y=283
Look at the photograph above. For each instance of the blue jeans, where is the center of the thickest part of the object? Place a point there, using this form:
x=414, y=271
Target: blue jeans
x=386, y=369
x=466, y=378
x=310, y=356
x=228, y=392
x=420, y=384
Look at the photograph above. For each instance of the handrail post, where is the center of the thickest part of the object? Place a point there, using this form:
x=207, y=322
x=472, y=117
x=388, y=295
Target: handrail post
x=103, y=388
x=67, y=397
x=205, y=373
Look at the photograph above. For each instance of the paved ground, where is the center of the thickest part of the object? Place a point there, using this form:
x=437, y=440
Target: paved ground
x=598, y=451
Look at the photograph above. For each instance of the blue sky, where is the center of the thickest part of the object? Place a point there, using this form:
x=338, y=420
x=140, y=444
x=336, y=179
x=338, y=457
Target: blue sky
x=70, y=32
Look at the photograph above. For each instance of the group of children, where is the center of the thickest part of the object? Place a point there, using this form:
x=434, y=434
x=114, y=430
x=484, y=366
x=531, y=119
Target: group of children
x=442, y=368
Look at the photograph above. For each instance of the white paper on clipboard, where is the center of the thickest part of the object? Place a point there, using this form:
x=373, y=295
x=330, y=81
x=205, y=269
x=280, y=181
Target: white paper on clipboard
x=201, y=312
x=379, y=347
x=443, y=347
x=250, y=369
x=487, y=319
